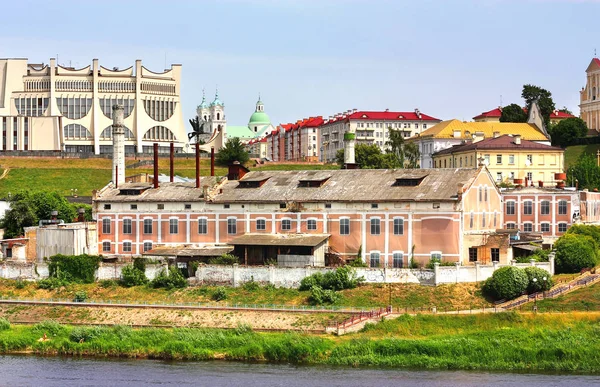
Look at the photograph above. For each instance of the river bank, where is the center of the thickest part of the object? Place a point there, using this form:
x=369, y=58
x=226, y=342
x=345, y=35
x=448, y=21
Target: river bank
x=506, y=341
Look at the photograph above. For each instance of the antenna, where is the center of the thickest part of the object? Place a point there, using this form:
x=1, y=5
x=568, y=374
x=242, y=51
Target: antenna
x=500, y=99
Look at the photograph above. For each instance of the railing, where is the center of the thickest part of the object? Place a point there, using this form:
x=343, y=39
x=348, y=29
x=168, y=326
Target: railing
x=362, y=316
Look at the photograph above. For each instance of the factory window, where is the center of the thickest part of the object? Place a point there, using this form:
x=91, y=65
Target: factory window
x=173, y=226
x=187, y=206
x=527, y=207
x=74, y=108
x=147, y=226
x=562, y=207
x=510, y=207
x=286, y=224
x=527, y=227
x=374, y=205
x=375, y=226
x=203, y=226
x=495, y=252
x=511, y=226
x=311, y=224
x=126, y=226
x=261, y=224
x=231, y=226
x=344, y=226
x=472, y=254
x=107, y=206
x=562, y=227
x=105, y=246
x=398, y=260
x=147, y=246
x=375, y=255
x=133, y=206
x=160, y=206
x=545, y=227
x=76, y=132
x=398, y=226
x=127, y=247
x=545, y=207
x=106, y=226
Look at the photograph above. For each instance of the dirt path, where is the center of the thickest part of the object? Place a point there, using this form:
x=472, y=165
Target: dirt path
x=209, y=318
x=4, y=173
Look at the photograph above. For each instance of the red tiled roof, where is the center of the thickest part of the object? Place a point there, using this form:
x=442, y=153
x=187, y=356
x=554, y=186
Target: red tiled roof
x=597, y=61
x=497, y=113
x=387, y=115
x=502, y=142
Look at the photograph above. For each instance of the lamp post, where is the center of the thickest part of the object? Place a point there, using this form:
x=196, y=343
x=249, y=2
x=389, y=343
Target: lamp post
x=390, y=298
x=535, y=299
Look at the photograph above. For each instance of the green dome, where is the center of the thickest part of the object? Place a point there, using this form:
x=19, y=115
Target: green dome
x=259, y=118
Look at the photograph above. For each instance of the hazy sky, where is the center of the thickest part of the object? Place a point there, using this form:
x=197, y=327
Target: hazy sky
x=449, y=58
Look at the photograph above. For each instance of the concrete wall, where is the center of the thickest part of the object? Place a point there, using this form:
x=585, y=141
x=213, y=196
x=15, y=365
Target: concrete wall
x=478, y=273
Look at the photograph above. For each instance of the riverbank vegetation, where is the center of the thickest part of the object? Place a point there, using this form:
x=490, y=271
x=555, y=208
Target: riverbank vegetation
x=505, y=341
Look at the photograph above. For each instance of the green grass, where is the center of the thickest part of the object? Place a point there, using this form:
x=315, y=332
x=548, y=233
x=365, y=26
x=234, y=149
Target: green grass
x=61, y=180
x=506, y=341
x=586, y=298
x=573, y=153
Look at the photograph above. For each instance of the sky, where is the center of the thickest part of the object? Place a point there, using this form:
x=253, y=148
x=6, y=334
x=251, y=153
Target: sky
x=448, y=58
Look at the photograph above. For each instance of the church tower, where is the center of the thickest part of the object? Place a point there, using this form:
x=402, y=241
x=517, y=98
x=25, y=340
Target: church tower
x=217, y=119
x=202, y=110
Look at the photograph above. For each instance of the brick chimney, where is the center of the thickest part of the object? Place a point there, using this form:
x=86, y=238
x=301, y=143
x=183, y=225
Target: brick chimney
x=236, y=171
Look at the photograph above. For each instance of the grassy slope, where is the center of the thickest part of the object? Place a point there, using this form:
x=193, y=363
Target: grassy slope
x=86, y=175
x=369, y=296
x=586, y=298
x=506, y=341
x=573, y=153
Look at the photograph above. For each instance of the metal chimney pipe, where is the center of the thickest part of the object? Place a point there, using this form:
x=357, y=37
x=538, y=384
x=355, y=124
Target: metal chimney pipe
x=197, y=165
x=171, y=156
x=81, y=215
x=54, y=215
x=155, y=165
x=212, y=161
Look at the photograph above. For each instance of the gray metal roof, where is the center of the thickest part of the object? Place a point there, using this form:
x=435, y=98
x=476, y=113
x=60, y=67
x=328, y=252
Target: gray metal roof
x=189, y=251
x=280, y=239
x=167, y=192
x=358, y=185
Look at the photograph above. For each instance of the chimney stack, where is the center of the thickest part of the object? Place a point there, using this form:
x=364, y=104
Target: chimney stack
x=118, y=132
x=517, y=139
x=197, y=165
x=496, y=134
x=81, y=215
x=155, y=165
x=171, y=156
x=212, y=161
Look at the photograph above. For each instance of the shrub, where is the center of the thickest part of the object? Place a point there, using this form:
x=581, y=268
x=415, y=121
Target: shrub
x=318, y=296
x=169, y=279
x=506, y=283
x=74, y=268
x=80, y=296
x=585, y=229
x=219, y=294
x=105, y=284
x=575, y=252
x=132, y=275
x=20, y=284
x=225, y=259
x=4, y=324
x=251, y=286
x=83, y=334
x=51, y=283
x=140, y=264
x=50, y=327
x=338, y=279
x=539, y=280
x=357, y=263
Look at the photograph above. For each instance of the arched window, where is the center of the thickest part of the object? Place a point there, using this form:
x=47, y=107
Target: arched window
x=159, y=133
x=106, y=104
x=74, y=108
x=218, y=116
x=159, y=110
x=76, y=132
x=107, y=134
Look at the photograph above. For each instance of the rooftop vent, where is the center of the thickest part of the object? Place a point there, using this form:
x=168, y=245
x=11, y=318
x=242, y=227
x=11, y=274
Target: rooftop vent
x=312, y=183
x=408, y=181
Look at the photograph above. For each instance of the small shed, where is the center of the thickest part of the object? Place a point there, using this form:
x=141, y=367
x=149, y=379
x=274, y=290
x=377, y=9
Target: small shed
x=290, y=250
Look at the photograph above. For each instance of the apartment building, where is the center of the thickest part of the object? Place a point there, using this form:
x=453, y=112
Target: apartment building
x=58, y=108
x=509, y=159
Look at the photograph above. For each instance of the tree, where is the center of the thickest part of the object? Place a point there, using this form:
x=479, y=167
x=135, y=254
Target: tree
x=513, y=113
x=575, y=252
x=539, y=280
x=197, y=129
x=27, y=208
x=369, y=156
x=585, y=171
x=395, y=144
x=232, y=151
x=567, y=131
x=412, y=155
x=506, y=283
x=532, y=93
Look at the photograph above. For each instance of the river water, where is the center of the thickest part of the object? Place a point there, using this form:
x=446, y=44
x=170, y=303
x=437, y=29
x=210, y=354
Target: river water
x=57, y=371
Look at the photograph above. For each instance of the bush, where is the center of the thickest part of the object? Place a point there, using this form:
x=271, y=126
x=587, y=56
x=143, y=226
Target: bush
x=539, y=280
x=339, y=279
x=219, y=294
x=83, y=334
x=318, y=296
x=585, y=229
x=49, y=327
x=51, y=283
x=169, y=280
x=357, y=263
x=140, y=264
x=105, y=284
x=575, y=252
x=506, y=283
x=80, y=296
x=251, y=286
x=74, y=268
x=131, y=275
x=225, y=259
x=20, y=284
x=4, y=324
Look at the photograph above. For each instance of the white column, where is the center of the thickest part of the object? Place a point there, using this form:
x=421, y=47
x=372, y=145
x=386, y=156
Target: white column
x=410, y=236
x=298, y=220
x=273, y=225
x=363, y=231
x=159, y=229
x=387, y=238
x=118, y=129
x=247, y=222
x=137, y=233
x=187, y=228
x=216, y=228
x=325, y=223
x=553, y=211
x=535, y=209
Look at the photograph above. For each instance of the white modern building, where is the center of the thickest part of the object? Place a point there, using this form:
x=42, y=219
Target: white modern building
x=370, y=127
x=57, y=108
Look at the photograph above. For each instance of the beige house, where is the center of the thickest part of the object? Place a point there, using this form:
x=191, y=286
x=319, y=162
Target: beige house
x=590, y=97
x=52, y=107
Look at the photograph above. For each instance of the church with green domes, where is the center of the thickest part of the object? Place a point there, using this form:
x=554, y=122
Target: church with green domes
x=213, y=115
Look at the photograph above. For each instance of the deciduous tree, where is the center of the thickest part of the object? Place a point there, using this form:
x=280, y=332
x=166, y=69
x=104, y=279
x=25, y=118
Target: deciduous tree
x=567, y=131
x=532, y=93
x=513, y=113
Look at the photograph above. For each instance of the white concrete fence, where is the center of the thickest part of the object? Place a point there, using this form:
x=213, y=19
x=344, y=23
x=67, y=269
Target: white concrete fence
x=288, y=277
